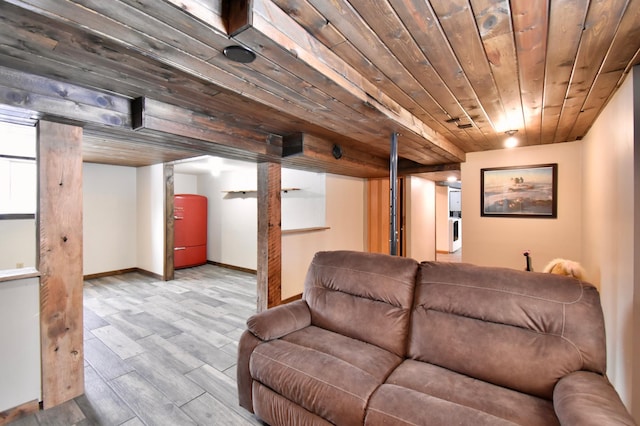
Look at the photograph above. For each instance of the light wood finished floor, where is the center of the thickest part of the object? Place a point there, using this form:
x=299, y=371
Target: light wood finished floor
x=160, y=353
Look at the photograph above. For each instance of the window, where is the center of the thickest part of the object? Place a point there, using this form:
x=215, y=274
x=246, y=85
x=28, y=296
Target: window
x=18, y=186
x=18, y=172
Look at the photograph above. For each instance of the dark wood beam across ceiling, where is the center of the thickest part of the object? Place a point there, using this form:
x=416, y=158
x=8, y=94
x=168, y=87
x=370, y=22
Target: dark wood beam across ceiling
x=450, y=76
x=277, y=37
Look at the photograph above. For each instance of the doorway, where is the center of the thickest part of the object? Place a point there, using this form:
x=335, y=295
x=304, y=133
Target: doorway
x=448, y=222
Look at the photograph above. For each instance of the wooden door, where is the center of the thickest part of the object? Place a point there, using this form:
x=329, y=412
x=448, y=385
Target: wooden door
x=379, y=215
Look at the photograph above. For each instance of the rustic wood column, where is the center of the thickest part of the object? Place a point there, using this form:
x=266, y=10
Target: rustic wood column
x=269, y=236
x=60, y=261
x=169, y=270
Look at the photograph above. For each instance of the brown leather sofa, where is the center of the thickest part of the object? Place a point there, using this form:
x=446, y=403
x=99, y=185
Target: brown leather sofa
x=383, y=340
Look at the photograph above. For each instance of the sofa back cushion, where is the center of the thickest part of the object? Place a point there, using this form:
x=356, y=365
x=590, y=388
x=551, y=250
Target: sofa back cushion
x=522, y=330
x=365, y=296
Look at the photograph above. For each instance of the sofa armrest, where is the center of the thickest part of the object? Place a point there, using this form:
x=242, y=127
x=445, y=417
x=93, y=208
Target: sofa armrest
x=280, y=320
x=585, y=398
x=267, y=325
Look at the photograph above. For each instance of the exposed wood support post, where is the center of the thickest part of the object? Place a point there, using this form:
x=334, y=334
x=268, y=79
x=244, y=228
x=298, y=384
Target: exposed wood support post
x=269, y=236
x=393, y=184
x=60, y=261
x=169, y=271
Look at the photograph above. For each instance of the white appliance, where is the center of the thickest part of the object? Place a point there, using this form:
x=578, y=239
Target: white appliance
x=455, y=234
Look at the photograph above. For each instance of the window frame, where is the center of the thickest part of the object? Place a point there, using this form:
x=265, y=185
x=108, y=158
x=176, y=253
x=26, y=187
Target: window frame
x=19, y=216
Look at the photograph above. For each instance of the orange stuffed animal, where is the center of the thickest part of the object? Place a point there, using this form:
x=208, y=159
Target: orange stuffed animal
x=565, y=267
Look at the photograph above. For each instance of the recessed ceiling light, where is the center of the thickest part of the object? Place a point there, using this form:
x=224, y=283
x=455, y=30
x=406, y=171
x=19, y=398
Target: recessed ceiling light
x=452, y=179
x=511, y=140
x=239, y=54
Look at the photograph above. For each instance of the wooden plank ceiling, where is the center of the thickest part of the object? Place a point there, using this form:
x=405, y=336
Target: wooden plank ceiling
x=148, y=80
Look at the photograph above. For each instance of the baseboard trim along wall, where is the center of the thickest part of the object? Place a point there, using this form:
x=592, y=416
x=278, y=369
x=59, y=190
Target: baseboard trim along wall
x=123, y=271
x=235, y=268
x=158, y=276
x=291, y=299
x=109, y=273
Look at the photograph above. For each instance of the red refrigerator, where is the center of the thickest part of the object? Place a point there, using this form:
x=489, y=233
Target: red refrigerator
x=190, y=230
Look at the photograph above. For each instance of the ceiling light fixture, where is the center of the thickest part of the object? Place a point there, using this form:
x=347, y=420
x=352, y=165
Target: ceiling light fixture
x=511, y=140
x=239, y=54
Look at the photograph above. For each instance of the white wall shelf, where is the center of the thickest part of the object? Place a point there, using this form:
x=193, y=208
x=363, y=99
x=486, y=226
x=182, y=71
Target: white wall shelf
x=247, y=191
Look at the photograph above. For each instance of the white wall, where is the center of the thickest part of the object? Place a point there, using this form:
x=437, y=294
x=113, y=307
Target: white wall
x=18, y=243
x=608, y=232
x=233, y=218
x=150, y=218
x=498, y=241
x=20, y=336
x=304, y=208
x=185, y=183
x=233, y=221
x=420, y=217
x=109, y=218
x=345, y=213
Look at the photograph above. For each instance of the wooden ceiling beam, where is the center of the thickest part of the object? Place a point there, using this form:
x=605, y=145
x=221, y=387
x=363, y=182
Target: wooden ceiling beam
x=166, y=118
x=410, y=168
x=57, y=101
x=272, y=25
x=365, y=51
x=333, y=157
x=146, y=147
x=339, y=99
x=352, y=71
x=347, y=35
x=180, y=48
x=200, y=133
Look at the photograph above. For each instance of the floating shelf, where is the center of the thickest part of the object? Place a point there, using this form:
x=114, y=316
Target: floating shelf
x=301, y=230
x=18, y=274
x=247, y=191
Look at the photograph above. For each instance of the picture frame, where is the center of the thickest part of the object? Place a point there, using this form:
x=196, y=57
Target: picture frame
x=520, y=191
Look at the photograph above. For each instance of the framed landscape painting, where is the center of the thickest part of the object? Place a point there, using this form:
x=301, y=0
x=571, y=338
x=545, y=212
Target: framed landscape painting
x=523, y=191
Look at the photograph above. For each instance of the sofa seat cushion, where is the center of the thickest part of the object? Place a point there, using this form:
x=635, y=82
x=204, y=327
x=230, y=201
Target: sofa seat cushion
x=330, y=375
x=394, y=405
x=417, y=390
x=371, y=359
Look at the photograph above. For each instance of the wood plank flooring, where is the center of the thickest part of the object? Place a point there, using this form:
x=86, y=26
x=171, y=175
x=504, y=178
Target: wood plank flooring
x=160, y=353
